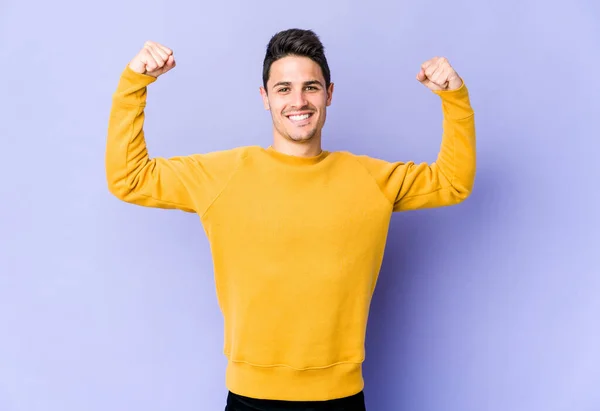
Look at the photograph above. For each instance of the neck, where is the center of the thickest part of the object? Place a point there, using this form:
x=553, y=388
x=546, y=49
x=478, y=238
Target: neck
x=299, y=149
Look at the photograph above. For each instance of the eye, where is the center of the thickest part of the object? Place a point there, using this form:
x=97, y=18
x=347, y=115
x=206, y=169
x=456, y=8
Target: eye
x=283, y=90
x=311, y=88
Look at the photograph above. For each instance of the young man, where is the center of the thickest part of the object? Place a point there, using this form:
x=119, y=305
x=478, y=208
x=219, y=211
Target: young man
x=297, y=233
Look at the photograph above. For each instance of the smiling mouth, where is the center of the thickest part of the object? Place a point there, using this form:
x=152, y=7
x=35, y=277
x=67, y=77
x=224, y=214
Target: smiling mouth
x=300, y=118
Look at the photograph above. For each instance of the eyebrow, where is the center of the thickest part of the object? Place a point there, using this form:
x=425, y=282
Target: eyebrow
x=306, y=83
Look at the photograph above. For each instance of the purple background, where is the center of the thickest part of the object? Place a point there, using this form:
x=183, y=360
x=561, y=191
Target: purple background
x=490, y=305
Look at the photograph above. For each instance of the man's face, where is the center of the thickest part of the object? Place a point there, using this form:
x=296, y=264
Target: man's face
x=297, y=98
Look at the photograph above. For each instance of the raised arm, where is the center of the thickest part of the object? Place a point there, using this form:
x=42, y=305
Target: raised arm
x=450, y=179
x=187, y=183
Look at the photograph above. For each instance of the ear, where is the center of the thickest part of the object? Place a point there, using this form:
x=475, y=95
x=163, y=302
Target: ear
x=329, y=94
x=265, y=98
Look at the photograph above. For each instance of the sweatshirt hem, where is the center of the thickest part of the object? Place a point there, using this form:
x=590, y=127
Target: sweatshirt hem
x=289, y=384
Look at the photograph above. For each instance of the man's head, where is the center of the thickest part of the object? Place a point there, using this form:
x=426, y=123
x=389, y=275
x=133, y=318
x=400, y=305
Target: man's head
x=297, y=85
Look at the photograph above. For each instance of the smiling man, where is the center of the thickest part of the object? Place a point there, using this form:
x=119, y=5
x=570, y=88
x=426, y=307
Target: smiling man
x=296, y=89
x=297, y=233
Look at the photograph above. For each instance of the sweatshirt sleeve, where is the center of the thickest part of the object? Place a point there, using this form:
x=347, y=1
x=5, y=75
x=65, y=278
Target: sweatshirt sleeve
x=447, y=181
x=187, y=183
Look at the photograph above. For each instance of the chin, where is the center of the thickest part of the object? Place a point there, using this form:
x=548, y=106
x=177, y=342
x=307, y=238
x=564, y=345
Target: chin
x=302, y=137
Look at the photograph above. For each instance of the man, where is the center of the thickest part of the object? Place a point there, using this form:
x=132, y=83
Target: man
x=297, y=233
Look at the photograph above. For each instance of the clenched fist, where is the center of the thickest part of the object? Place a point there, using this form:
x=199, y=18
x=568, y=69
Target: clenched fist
x=438, y=74
x=154, y=59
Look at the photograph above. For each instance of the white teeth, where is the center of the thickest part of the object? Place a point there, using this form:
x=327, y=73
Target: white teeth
x=299, y=118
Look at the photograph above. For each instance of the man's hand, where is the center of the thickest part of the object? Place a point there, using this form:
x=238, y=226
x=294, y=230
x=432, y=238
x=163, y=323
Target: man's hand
x=153, y=60
x=438, y=74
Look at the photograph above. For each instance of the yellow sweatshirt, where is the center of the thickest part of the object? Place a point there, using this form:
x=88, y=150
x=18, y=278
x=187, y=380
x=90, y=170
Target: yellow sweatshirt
x=297, y=243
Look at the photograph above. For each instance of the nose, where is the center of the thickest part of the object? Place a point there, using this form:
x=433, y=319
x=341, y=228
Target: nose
x=298, y=99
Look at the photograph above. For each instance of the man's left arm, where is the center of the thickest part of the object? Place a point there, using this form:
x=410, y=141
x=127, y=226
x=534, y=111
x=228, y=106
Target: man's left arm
x=450, y=179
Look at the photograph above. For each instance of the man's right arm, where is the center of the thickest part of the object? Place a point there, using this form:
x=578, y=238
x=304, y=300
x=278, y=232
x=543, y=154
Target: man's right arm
x=188, y=183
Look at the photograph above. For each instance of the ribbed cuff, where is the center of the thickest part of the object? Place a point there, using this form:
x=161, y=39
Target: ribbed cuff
x=456, y=103
x=132, y=87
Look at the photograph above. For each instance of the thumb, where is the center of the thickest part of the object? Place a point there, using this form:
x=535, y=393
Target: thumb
x=426, y=82
x=138, y=66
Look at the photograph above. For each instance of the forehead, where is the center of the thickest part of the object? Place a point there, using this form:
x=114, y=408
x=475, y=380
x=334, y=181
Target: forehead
x=295, y=69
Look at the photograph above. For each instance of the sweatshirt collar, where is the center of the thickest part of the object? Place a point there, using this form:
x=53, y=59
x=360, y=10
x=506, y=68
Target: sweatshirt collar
x=296, y=160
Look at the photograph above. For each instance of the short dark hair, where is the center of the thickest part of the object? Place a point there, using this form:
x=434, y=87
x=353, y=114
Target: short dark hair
x=295, y=42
